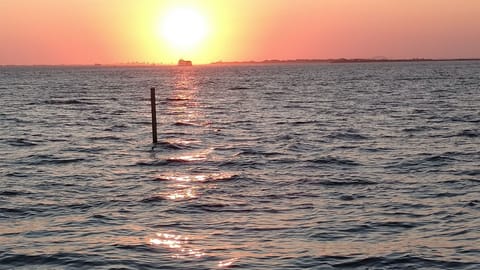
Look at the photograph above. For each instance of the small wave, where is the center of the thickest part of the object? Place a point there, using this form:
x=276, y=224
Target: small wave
x=347, y=197
x=402, y=261
x=253, y=152
x=378, y=149
x=185, y=124
x=65, y=102
x=119, y=112
x=396, y=224
x=143, y=123
x=242, y=164
x=334, y=161
x=131, y=247
x=177, y=99
x=20, y=212
x=470, y=133
x=439, y=159
x=347, y=135
x=419, y=129
x=339, y=182
x=170, y=145
x=5, y=210
x=218, y=207
x=290, y=196
x=116, y=128
x=473, y=203
x=104, y=138
x=285, y=137
x=52, y=160
x=420, y=164
x=86, y=150
x=301, y=123
x=18, y=120
x=185, y=159
x=213, y=177
x=295, y=106
x=239, y=88
x=446, y=194
x=12, y=193
x=474, y=172
x=16, y=260
x=64, y=160
x=20, y=142
x=467, y=119
x=98, y=117
x=152, y=199
x=177, y=143
x=152, y=163
x=49, y=261
x=17, y=174
x=414, y=129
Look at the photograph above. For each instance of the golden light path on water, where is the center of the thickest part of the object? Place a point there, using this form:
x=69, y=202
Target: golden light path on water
x=182, y=193
x=187, y=187
x=183, y=185
x=192, y=156
x=180, y=245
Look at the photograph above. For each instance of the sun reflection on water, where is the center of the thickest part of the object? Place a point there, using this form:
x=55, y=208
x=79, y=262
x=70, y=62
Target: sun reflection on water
x=192, y=156
x=187, y=178
x=189, y=186
x=226, y=263
x=182, y=142
x=184, y=247
x=212, y=177
x=183, y=103
x=181, y=246
x=183, y=193
x=184, y=113
x=180, y=97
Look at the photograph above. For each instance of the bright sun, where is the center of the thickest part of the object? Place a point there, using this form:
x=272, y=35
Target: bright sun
x=184, y=28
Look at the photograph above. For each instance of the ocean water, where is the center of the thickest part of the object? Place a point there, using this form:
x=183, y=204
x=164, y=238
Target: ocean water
x=319, y=166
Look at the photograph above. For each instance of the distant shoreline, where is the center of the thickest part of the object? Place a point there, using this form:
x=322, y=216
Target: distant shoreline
x=262, y=62
x=340, y=60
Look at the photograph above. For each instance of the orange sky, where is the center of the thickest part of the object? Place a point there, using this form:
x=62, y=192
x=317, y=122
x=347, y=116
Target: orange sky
x=119, y=31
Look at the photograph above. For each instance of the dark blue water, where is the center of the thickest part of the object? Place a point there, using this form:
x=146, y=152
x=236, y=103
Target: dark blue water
x=331, y=166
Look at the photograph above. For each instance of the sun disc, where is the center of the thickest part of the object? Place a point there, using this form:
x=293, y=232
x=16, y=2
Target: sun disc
x=184, y=28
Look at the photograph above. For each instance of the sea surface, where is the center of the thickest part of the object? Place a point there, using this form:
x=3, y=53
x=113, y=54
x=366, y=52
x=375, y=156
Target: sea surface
x=316, y=166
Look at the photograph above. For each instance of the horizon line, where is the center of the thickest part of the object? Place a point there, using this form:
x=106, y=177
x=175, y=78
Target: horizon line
x=265, y=61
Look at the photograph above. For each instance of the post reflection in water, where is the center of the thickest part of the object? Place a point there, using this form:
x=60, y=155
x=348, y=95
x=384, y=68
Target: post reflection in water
x=187, y=172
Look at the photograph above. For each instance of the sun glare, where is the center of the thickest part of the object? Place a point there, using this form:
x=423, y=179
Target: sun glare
x=184, y=28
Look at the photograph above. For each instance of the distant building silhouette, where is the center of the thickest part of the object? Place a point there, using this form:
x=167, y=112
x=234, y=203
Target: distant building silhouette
x=182, y=62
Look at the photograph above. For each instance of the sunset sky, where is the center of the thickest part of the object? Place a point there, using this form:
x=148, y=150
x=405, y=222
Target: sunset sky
x=113, y=31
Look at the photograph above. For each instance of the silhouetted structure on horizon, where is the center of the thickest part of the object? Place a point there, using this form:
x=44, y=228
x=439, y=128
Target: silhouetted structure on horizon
x=182, y=62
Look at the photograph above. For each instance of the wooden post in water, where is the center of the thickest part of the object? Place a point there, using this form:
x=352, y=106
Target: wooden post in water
x=154, y=114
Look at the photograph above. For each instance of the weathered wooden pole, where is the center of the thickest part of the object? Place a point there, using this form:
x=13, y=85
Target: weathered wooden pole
x=154, y=114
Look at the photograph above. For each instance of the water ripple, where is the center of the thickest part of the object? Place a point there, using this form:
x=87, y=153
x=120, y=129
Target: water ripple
x=318, y=166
